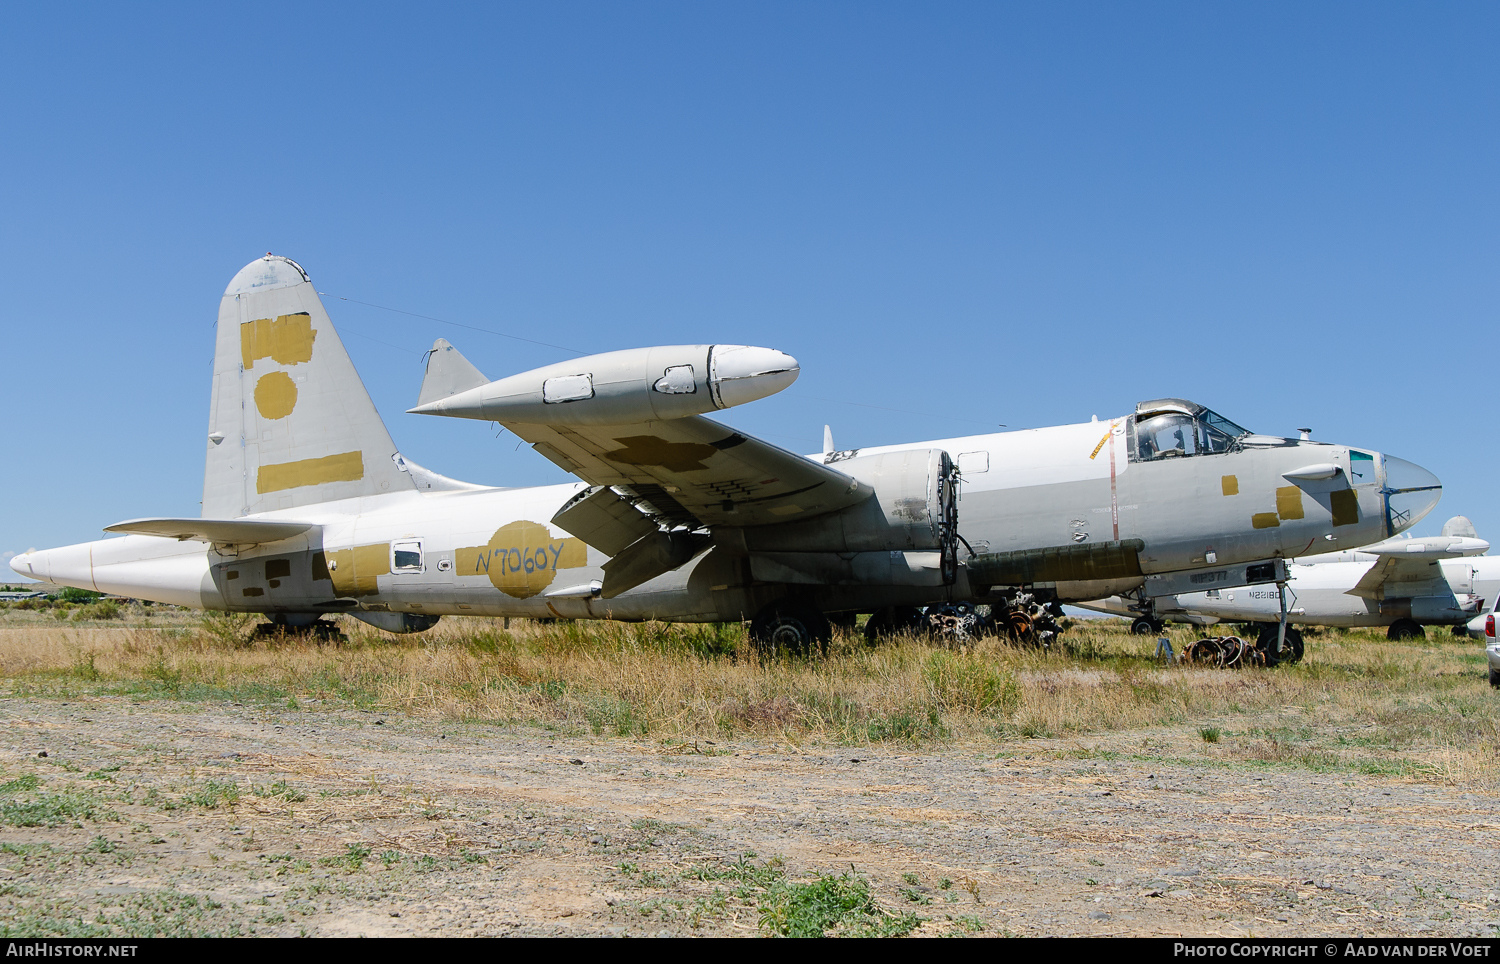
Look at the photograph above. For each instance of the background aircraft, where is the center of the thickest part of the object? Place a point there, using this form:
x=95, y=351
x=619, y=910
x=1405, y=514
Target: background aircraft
x=1403, y=584
x=309, y=509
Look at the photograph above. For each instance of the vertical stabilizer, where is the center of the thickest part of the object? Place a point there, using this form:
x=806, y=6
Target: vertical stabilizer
x=290, y=423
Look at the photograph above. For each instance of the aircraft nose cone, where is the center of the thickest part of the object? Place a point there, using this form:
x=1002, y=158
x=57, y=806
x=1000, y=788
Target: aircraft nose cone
x=1411, y=492
x=18, y=564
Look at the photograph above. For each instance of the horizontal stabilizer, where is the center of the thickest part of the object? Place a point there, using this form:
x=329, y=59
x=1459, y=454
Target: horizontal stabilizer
x=448, y=373
x=241, y=532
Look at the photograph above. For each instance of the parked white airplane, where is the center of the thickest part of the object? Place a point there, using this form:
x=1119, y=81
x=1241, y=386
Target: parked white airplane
x=1403, y=584
x=309, y=509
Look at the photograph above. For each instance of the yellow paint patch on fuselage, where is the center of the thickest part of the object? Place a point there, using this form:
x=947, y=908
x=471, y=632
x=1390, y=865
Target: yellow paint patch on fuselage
x=353, y=571
x=1345, y=505
x=344, y=467
x=1289, y=502
x=275, y=395
x=522, y=558
x=286, y=339
x=1230, y=484
x=1265, y=520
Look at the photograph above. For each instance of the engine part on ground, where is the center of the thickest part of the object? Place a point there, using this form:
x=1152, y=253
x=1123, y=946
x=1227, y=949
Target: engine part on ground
x=953, y=623
x=1026, y=620
x=1222, y=651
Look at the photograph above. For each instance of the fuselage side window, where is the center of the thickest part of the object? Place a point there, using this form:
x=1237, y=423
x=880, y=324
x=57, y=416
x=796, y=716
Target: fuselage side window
x=1218, y=431
x=406, y=557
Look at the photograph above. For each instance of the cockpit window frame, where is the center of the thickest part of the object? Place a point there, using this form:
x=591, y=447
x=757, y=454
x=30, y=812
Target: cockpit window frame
x=1211, y=433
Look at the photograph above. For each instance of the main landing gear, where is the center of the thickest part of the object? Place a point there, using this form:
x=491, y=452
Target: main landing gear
x=790, y=626
x=1291, y=649
x=1405, y=629
x=1147, y=626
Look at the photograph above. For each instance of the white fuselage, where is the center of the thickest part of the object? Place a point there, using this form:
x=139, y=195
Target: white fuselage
x=494, y=552
x=1319, y=595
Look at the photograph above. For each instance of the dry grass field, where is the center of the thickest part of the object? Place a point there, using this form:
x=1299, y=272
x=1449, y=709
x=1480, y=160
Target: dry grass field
x=1411, y=725
x=1419, y=709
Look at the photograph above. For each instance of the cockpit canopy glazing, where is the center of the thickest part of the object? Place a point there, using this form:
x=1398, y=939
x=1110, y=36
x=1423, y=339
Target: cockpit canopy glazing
x=1177, y=428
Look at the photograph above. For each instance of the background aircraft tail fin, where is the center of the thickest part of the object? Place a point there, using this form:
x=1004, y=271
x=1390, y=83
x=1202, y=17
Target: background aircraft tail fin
x=290, y=423
x=448, y=373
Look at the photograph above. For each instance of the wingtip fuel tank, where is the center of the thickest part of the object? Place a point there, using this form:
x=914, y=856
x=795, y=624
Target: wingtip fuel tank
x=638, y=384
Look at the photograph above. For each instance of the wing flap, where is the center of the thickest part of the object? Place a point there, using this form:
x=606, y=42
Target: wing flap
x=1393, y=576
x=604, y=520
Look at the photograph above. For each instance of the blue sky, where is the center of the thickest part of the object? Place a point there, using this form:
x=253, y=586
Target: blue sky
x=970, y=214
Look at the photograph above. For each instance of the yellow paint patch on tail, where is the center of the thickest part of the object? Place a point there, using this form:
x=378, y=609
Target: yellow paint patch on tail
x=286, y=339
x=275, y=395
x=522, y=558
x=354, y=570
x=344, y=467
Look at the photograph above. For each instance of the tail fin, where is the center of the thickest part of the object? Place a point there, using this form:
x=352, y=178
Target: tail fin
x=290, y=423
x=448, y=373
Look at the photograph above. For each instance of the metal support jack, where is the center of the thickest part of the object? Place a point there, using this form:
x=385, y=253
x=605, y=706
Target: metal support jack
x=1281, y=627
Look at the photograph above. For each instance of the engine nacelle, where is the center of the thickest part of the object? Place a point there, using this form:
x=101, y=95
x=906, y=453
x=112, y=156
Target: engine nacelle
x=1431, y=609
x=626, y=387
x=912, y=491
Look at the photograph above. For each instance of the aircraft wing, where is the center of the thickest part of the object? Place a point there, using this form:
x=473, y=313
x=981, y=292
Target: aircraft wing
x=1414, y=577
x=1410, y=567
x=693, y=470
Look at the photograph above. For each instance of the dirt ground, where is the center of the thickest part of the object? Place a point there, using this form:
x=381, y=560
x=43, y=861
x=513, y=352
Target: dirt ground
x=152, y=816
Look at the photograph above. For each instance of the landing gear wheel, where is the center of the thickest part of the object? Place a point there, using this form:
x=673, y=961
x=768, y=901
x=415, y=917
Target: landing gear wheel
x=1405, y=629
x=893, y=621
x=1291, y=652
x=789, y=627
x=844, y=621
x=1146, y=627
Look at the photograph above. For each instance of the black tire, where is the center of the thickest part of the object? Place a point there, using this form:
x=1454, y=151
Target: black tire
x=1146, y=627
x=1405, y=629
x=893, y=621
x=1290, y=653
x=1495, y=678
x=845, y=621
x=789, y=627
